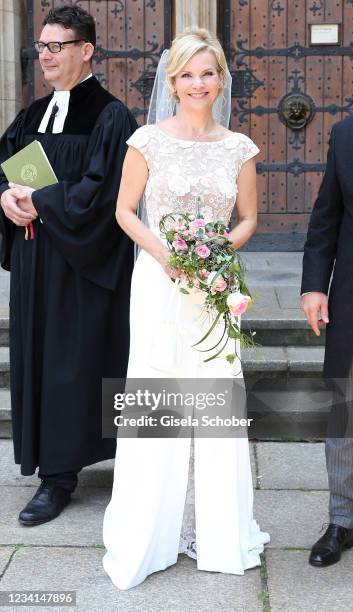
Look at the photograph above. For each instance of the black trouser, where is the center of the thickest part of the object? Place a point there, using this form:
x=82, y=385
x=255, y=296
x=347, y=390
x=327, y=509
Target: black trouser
x=66, y=480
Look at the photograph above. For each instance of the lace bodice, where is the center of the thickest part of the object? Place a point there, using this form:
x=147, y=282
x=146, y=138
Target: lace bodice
x=181, y=171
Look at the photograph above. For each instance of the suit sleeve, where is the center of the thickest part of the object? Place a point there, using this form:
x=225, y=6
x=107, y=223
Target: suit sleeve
x=10, y=143
x=80, y=216
x=321, y=243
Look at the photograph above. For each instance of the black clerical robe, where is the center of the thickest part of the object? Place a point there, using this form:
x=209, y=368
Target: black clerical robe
x=70, y=285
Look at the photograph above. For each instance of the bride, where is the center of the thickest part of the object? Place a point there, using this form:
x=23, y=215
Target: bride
x=184, y=495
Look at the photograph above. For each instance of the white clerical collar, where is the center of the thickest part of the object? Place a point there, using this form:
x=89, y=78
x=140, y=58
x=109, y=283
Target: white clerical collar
x=87, y=77
x=61, y=99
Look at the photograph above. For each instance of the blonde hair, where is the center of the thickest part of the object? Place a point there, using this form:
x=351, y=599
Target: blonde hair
x=186, y=45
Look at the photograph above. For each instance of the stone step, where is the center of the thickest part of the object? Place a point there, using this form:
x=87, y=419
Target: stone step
x=298, y=360
x=5, y=414
x=4, y=368
x=4, y=327
x=279, y=413
x=282, y=329
x=289, y=409
x=294, y=360
x=286, y=396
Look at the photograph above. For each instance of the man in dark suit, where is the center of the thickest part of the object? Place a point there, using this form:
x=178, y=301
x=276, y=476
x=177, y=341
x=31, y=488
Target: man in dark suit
x=329, y=248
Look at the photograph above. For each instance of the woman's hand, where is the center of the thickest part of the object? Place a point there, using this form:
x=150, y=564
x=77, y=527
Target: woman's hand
x=162, y=258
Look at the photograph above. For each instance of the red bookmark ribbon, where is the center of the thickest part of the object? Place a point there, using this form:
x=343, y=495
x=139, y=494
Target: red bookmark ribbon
x=29, y=234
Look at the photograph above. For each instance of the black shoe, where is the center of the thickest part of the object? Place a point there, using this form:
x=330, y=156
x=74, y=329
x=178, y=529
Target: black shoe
x=328, y=548
x=45, y=506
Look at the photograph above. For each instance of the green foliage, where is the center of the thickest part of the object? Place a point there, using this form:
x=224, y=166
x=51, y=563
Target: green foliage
x=184, y=237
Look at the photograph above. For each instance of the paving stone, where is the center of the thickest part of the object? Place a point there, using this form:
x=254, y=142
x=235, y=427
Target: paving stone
x=288, y=465
x=5, y=555
x=296, y=586
x=79, y=524
x=9, y=471
x=97, y=475
x=292, y=518
x=179, y=588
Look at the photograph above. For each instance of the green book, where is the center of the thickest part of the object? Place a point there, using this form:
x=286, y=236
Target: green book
x=30, y=167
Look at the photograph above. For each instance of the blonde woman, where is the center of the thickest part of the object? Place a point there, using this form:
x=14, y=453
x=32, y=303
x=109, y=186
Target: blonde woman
x=171, y=495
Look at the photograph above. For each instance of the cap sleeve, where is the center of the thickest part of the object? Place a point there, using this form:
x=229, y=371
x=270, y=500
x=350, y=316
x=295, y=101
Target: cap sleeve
x=244, y=148
x=139, y=140
x=249, y=148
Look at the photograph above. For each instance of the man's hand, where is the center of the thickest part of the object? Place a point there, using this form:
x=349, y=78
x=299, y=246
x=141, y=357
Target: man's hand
x=13, y=210
x=24, y=198
x=315, y=308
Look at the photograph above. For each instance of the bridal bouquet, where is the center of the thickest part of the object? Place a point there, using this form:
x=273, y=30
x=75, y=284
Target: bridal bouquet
x=202, y=254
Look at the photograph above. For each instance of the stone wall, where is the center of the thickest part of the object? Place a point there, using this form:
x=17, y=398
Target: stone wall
x=12, y=17
x=196, y=12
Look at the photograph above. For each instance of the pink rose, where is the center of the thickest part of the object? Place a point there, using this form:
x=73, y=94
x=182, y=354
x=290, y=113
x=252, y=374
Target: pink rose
x=176, y=225
x=179, y=244
x=211, y=234
x=195, y=225
x=238, y=303
x=219, y=285
x=207, y=214
x=173, y=225
x=195, y=230
x=204, y=273
x=202, y=251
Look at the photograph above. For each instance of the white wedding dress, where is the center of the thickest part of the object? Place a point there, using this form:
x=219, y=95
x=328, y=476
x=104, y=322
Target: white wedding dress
x=180, y=495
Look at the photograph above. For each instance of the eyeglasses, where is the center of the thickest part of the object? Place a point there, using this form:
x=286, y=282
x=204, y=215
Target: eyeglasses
x=54, y=47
